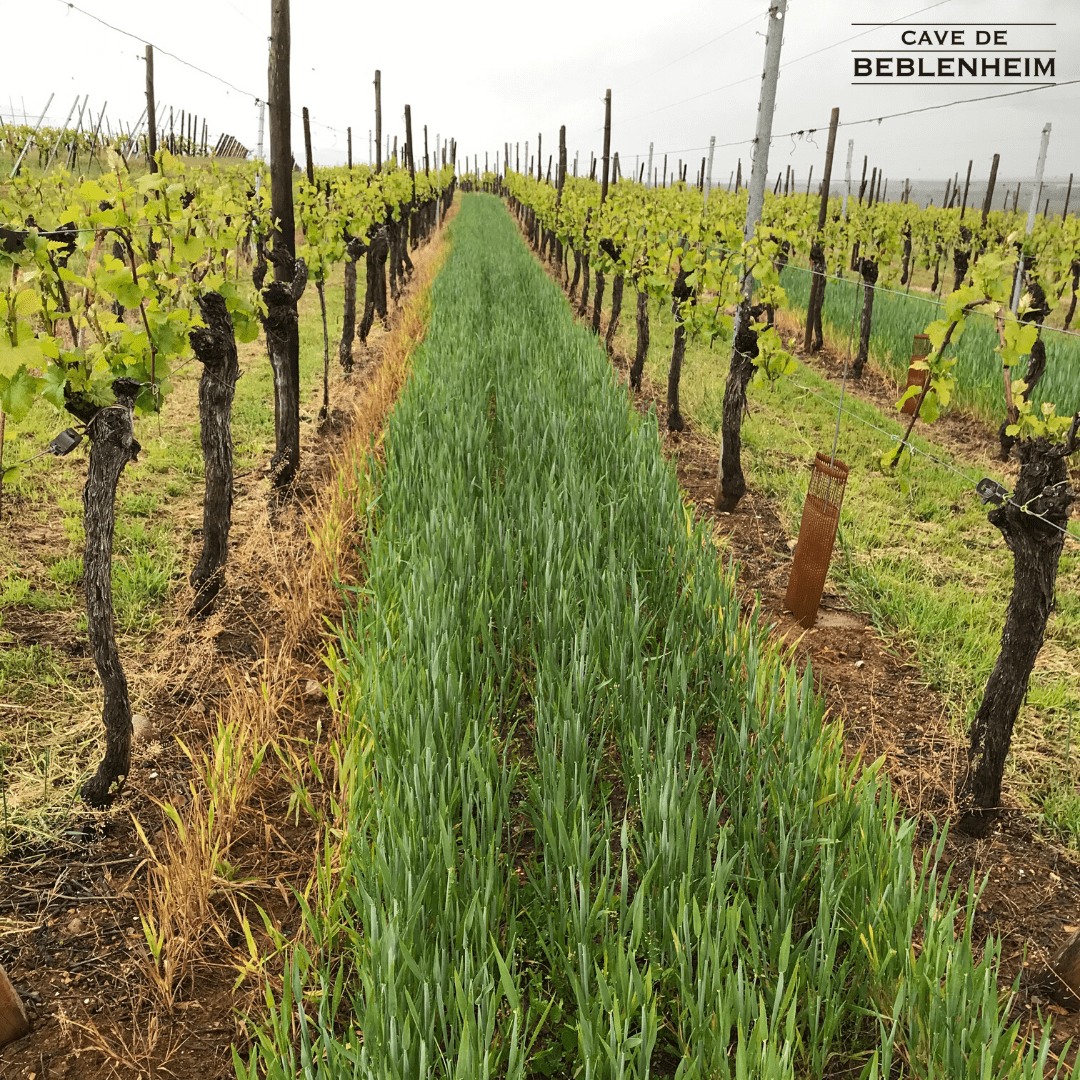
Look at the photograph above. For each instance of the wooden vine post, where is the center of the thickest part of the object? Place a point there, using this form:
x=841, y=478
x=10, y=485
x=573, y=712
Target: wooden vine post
x=989, y=186
x=412, y=172
x=151, y=114
x=280, y=321
x=813, y=337
x=598, y=298
x=320, y=285
x=560, y=180
x=378, y=121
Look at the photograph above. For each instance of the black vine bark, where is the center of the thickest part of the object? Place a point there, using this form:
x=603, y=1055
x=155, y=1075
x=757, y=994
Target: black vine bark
x=642, y=339
x=616, y=310
x=215, y=347
x=324, y=411
x=1032, y=524
x=961, y=257
x=405, y=267
x=731, y=485
x=583, y=307
x=112, y=446
x=814, y=338
x=1036, y=365
x=283, y=344
x=681, y=296
x=905, y=266
x=577, y=275
x=393, y=231
x=375, y=291
x=868, y=268
x=598, y=302
x=1075, y=268
x=354, y=248
x=1059, y=978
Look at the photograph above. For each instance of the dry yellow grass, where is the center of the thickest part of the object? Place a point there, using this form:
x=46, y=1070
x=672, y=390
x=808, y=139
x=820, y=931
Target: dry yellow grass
x=263, y=735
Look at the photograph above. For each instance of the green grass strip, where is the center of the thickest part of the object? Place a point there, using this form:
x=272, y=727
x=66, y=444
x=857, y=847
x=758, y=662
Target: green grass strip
x=595, y=827
x=897, y=317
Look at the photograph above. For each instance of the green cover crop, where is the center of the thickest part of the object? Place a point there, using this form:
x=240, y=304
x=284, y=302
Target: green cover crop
x=594, y=826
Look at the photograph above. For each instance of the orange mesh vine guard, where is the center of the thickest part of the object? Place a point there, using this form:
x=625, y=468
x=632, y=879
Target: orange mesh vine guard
x=817, y=533
x=920, y=349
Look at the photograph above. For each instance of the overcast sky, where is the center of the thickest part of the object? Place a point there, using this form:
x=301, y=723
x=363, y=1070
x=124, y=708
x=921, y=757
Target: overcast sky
x=487, y=73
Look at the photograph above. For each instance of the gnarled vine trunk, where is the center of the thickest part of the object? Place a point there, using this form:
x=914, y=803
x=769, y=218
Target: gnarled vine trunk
x=814, y=338
x=393, y=233
x=405, y=267
x=961, y=257
x=598, y=302
x=1032, y=523
x=324, y=410
x=577, y=275
x=731, y=485
x=583, y=307
x=375, y=292
x=215, y=347
x=112, y=446
x=868, y=268
x=616, y=310
x=1075, y=268
x=642, y=350
x=281, y=326
x=905, y=265
x=354, y=248
x=681, y=295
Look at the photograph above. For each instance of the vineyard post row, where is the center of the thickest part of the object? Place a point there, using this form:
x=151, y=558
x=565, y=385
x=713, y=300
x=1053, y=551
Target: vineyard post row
x=189, y=142
x=175, y=265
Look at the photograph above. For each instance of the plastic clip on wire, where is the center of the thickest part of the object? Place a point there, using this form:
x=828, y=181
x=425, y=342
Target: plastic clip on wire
x=65, y=442
x=990, y=491
x=59, y=446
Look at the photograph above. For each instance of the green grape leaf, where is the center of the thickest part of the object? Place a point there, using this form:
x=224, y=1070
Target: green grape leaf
x=912, y=391
x=52, y=385
x=17, y=393
x=92, y=192
x=189, y=249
